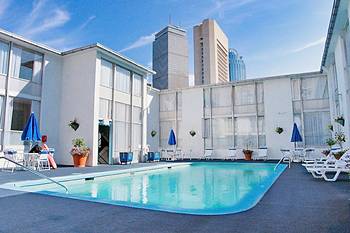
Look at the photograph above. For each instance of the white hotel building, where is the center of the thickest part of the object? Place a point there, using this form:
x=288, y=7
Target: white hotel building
x=108, y=96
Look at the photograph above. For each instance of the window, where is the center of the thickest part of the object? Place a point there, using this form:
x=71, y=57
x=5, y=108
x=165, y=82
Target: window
x=1, y=111
x=167, y=102
x=20, y=113
x=4, y=55
x=122, y=127
x=245, y=132
x=137, y=85
x=222, y=133
x=106, y=74
x=311, y=109
x=105, y=109
x=26, y=65
x=123, y=80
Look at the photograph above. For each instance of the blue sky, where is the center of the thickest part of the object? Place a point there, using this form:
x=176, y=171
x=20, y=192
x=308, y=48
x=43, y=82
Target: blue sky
x=274, y=37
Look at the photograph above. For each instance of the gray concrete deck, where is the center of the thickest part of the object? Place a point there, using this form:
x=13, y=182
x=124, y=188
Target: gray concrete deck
x=295, y=203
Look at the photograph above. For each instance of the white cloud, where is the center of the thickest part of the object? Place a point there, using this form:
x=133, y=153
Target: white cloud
x=87, y=22
x=4, y=4
x=43, y=18
x=309, y=45
x=221, y=6
x=140, y=42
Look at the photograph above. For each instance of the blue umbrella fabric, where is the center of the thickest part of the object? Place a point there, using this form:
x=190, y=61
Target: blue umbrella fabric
x=31, y=131
x=172, y=138
x=296, y=137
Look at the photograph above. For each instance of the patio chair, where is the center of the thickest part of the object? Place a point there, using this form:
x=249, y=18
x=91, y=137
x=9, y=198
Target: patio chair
x=308, y=154
x=43, y=161
x=232, y=154
x=208, y=154
x=326, y=161
x=13, y=155
x=262, y=154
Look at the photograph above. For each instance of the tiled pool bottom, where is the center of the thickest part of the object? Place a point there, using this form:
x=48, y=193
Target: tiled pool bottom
x=200, y=188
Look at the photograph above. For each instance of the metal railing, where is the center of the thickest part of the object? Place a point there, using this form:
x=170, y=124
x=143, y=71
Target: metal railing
x=36, y=173
x=281, y=160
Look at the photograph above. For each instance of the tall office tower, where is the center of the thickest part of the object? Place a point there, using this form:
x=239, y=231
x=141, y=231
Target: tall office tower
x=236, y=65
x=210, y=53
x=170, y=58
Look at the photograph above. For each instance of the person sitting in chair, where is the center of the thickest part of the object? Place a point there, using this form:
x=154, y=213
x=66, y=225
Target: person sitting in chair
x=44, y=147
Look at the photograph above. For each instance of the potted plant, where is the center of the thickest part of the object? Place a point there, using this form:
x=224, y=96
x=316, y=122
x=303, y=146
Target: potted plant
x=340, y=120
x=79, y=152
x=153, y=133
x=192, y=133
x=340, y=138
x=279, y=130
x=330, y=142
x=247, y=153
x=339, y=154
x=74, y=124
x=330, y=127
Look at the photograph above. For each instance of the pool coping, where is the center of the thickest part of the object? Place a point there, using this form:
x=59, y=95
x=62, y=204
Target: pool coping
x=229, y=211
x=16, y=185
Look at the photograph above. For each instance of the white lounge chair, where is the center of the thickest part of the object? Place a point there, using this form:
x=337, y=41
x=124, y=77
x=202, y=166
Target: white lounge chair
x=324, y=161
x=208, y=154
x=262, y=153
x=232, y=154
x=338, y=167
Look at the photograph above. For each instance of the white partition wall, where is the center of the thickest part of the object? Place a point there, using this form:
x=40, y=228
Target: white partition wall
x=245, y=115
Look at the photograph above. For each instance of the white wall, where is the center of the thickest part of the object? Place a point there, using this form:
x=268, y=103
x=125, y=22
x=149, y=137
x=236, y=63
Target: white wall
x=78, y=101
x=152, y=112
x=50, y=106
x=278, y=113
x=192, y=113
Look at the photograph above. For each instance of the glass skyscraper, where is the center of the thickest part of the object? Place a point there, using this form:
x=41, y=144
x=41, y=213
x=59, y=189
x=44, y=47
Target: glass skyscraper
x=236, y=66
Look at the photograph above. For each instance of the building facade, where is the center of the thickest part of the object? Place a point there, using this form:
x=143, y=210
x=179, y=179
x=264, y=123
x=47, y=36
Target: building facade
x=237, y=69
x=210, y=53
x=102, y=90
x=170, y=58
x=246, y=113
x=336, y=63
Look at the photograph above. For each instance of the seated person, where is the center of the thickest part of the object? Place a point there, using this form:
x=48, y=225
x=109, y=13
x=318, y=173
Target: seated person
x=46, y=148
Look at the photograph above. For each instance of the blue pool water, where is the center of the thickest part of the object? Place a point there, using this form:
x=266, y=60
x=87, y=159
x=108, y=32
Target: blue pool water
x=202, y=188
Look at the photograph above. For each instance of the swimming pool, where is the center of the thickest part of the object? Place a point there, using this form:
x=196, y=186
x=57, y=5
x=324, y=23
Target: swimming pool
x=201, y=188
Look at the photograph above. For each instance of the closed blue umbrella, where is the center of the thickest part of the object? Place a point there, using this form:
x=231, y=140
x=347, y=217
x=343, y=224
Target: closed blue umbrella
x=172, y=138
x=296, y=137
x=31, y=131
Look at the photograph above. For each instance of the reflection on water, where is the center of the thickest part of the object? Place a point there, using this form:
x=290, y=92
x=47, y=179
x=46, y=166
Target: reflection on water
x=199, y=186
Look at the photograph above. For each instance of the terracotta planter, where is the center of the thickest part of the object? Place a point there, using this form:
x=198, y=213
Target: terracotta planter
x=80, y=159
x=248, y=154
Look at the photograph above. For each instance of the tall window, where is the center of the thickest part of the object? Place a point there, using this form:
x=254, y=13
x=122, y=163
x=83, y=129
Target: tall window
x=167, y=117
x=137, y=126
x=4, y=55
x=105, y=109
x=20, y=113
x=311, y=109
x=106, y=74
x=137, y=85
x=26, y=65
x=123, y=80
x=122, y=127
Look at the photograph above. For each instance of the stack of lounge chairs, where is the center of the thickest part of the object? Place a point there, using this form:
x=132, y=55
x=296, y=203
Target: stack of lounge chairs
x=328, y=167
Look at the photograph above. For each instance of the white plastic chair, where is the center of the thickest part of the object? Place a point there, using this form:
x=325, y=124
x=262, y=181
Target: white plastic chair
x=232, y=154
x=208, y=154
x=43, y=162
x=262, y=153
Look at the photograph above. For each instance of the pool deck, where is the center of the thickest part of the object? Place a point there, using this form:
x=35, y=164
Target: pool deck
x=295, y=203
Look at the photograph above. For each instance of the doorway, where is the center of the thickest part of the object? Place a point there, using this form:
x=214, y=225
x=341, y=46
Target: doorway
x=104, y=144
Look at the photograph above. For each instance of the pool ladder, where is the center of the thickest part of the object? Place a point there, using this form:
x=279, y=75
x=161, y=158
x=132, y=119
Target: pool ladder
x=36, y=173
x=281, y=160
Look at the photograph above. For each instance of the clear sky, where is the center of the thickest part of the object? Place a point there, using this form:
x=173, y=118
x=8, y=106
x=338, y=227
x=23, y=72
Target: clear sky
x=274, y=37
